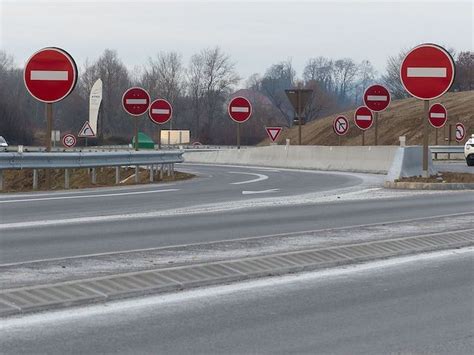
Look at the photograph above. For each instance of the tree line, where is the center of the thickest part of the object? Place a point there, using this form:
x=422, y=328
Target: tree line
x=199, y=91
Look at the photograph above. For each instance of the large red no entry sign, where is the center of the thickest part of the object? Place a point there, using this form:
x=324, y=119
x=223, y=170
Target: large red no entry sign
x=437, y=115
x=240, y=109
x=160, y=111
x=50, y=74
x=377, y=98
x=136, y=101
x=427, y=71
x=363, y=118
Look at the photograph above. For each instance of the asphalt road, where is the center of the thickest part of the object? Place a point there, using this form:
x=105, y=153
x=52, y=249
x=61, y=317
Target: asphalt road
x=454, y=166
x=422, y=304
x=222, y=203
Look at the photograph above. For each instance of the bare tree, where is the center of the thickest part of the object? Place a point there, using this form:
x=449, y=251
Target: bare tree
x=366, y=76
x=464, y=79
x=391, y=78
x=344, y=73
x=320, y=70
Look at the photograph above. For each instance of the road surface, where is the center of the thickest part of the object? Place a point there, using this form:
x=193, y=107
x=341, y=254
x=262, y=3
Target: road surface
x=420, y=304
x=222, y=203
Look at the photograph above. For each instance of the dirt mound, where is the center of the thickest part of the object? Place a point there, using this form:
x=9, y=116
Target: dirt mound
x=402, y=118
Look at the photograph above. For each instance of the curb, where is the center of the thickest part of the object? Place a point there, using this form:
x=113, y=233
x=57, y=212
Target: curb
x=427, y=185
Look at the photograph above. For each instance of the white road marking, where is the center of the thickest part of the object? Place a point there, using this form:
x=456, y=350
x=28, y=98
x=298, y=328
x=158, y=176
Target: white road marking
x=426, y=72
x=239, y=109
x=59, y=75
x=377, y=98
x=437, y=115
x=364, y=118
x=88, y=196
x=260, y=177
x=259, y=192
x=160, y=111
x=136, y=101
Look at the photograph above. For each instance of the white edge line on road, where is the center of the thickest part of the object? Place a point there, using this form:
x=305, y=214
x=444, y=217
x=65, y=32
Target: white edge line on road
x=208, y=292
x=259, y=192
x=260, y=177
x=87, y=196
x=248, y=238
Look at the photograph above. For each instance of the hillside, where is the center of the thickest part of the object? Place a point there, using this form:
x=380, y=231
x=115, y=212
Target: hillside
x=403, y=117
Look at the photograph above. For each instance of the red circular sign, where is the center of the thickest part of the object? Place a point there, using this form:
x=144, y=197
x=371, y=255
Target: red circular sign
x=377, y=98
x=340, y=125
x=460, y=132
x=427, y=71
x=437, y=115
x=69, y=140
x=136, y=101
x=160, y=111
x=239, y=109
x=50, y=74
x=363, y=118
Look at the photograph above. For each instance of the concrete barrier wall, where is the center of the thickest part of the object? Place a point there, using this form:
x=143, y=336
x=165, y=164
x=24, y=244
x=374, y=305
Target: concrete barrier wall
x=407, y=162
x=368, y=159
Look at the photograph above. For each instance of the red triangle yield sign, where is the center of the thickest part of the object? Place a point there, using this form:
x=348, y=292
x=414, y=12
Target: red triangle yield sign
x=273, y=132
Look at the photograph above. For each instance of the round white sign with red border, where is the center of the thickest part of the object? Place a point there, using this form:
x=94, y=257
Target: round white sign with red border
x=239, y=109
x=377, y=98
x=340, y=125
x=135, y=101
x=50, y=74
x=363, y=118
x=69, y=140
x=427, y=71
x=437, y=115
x=460, y=132
x=160, y=111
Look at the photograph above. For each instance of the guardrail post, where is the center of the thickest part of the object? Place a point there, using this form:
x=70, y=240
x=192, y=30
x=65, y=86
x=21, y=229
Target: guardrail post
x=136, y=174
x=172, y=169
x=117, y=175
x=151, y=172
x=35, y=179
x=94, y=176
x=168, y=169
x=1, y=180
x=66, y=178
x=161, y=171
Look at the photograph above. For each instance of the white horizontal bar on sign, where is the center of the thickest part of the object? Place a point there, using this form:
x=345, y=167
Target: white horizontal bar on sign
x=377, y=98
x=160, y=111
x=135, y=101
x=364, y=118
x=59, y=75
x=437, y=115
x=426, y=72
x=239, y=109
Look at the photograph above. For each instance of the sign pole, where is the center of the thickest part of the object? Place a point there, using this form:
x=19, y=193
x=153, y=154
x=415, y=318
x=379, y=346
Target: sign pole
x=436, y=137
x=363, y=138
x=49, y=125
x=298, y=93
x=238, y=135
x=339, y=140
x=159, y=138
x=376, y=119
x=136, y=134
x=425, y=138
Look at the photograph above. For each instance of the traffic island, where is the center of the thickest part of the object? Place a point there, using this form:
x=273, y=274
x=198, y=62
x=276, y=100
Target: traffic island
x=442, y=181
x=30, y=180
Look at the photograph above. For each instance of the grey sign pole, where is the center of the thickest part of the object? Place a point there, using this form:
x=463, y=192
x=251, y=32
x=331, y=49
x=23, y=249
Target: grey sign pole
x=376, y=118
x=425, y=138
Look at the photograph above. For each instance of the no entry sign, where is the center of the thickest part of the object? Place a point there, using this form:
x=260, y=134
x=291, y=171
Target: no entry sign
x=160, y=111
x=427, y=71
x=50, y=74
x=239, y=109
x=273, y=132
x=69, y=140
x=437, y=115
x=377, y=98
x=341, y=125
x=363, y=118
x=136, y=101
x=460, y=132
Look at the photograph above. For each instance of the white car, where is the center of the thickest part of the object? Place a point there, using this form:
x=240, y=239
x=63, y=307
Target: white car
x=3, y=142
x=469, y=151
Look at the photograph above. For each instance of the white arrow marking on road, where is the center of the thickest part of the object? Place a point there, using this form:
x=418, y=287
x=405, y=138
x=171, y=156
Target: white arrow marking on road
x=88, y=196
x=239, y=109
x=259, y=192
x=160, y=111
x=364, y=118
x=135, y=101
x=437, y=115
x=377, y=98
x=426, y=72
x=59, y=75
x=260, y=177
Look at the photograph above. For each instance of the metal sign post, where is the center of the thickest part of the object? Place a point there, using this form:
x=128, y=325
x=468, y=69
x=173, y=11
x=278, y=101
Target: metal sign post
x=376, y=128
x=299, y=98
x=49, y=125
x=425, y=138
x=238, y=135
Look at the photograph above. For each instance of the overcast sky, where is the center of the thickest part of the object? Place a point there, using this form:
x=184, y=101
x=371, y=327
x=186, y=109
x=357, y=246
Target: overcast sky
x=255, y=34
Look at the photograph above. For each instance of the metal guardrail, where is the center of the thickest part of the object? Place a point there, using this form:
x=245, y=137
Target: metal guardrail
x=66, y=160
x=436, y=149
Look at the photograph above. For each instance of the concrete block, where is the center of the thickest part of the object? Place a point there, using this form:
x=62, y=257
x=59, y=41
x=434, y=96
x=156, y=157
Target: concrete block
x=408, y=162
